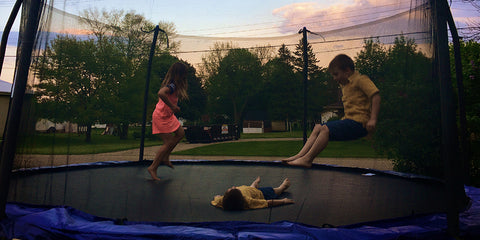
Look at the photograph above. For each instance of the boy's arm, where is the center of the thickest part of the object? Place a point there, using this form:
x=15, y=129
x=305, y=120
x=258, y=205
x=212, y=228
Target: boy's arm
x=371, y=124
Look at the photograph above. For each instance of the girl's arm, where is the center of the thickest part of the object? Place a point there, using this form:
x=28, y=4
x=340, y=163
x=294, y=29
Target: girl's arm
x=278, y=202
x=163, y=94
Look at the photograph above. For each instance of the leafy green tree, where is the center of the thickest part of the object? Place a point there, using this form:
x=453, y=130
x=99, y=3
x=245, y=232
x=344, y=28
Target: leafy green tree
x=284, y=55
x=371, y=58
x=74, y=82
x=322, y=91
x=237, y=80
x=470, y=54
x=408, y=130
x=312, y=59
x=128, y=32
x=282, y=90
x=211, y=61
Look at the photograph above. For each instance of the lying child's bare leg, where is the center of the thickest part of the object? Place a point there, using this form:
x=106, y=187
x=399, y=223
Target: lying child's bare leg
x=255, y=183
x=280, y=189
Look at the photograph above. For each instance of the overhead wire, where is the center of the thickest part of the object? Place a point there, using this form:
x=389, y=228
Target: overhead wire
x=304, y=21
x=311, y=43
x=270, y=22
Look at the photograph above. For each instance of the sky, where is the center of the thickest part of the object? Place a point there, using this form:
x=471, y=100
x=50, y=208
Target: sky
x=246, y=18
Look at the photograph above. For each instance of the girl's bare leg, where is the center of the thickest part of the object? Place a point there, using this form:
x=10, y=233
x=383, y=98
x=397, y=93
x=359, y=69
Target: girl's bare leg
x=320, y=143
x=308, y=144
x=255, y=183
x=163, y=154
x=152, y=169
x=179, y=134
x=280, y=189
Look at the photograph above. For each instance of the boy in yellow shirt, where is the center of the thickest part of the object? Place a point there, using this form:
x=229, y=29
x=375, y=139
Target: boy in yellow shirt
x=252, y=197
x=361, y=102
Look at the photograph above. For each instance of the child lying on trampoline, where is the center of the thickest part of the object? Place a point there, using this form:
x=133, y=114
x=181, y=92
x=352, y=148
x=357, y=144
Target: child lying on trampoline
x=252, y=197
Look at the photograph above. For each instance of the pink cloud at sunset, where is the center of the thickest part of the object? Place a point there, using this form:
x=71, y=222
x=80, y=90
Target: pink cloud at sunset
x=320, y=17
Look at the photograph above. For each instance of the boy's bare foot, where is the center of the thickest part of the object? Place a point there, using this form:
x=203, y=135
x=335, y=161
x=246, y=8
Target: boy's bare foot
x=301, y=162
x=256, y=182
x=153, y=173
x=289, y=159
x=285, y=184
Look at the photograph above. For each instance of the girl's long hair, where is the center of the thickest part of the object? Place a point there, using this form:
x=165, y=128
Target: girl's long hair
x=177, y=74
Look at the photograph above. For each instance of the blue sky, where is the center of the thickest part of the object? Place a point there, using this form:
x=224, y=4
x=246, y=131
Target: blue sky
x=248, y=18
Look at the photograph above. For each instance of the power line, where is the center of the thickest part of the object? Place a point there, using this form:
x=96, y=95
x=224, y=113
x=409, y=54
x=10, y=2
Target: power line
x=302, y=19
x=311, y=43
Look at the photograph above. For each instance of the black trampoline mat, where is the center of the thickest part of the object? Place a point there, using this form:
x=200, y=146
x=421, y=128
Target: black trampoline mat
x=322, y=195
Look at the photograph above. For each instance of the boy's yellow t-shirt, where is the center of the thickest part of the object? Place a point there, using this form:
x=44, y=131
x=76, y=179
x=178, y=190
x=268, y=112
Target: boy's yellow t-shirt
x=357, y=94
x=253, y=197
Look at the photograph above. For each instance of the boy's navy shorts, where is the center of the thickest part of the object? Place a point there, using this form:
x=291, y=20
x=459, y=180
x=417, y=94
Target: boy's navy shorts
x=268, y=193
x=345, y=130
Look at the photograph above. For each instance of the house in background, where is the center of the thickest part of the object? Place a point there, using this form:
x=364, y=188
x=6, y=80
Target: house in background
x=5, y=92
x=334, y=110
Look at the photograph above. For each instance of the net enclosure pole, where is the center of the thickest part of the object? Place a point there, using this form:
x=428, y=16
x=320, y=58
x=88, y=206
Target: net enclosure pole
x=33, y=8
x=6, y=31
x=147, y=86
x=305, y=82
x=449, y=139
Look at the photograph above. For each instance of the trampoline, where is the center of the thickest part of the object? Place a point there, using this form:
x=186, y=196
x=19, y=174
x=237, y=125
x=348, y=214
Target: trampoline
x=323, y=195
x=118, y=200
x=103, y=198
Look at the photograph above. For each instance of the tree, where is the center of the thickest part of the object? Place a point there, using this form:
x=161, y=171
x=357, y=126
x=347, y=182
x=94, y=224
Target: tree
x=371, y=58
x=470, y=54
x=282, y=90
x=322, y=91
x=74, y=82
x=408, y=130
x=264, y=53
x=312, y=59
x=284, y=55
x=128, y=32
x=211, y=61
x=237, y=80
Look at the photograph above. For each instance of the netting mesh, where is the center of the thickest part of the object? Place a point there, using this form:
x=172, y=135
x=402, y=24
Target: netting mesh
x=68, y=99
x=87, y=81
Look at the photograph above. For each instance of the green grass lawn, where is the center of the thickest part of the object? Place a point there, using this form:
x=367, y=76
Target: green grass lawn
x=74, y=144
x=359, y=148
x=64, y=143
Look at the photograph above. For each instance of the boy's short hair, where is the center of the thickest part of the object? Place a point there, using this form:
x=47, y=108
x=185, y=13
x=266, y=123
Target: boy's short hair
x=342, y=62
x=233, y=200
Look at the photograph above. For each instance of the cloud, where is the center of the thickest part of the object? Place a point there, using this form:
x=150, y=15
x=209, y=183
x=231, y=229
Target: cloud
x=321, y=17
